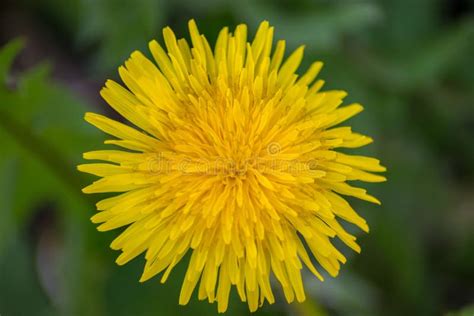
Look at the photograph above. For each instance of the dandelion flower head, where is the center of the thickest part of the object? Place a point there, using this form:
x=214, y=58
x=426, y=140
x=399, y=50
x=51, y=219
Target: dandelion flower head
x=232, y=158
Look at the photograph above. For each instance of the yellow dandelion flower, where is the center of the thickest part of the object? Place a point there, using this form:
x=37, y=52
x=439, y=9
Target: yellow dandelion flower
x=232, y=158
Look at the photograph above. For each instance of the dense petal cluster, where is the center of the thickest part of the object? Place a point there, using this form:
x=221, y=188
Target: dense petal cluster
x=232, y=158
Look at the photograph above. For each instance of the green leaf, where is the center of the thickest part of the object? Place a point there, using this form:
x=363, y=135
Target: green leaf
x=7, y=55
x=20, y=293
x=7, y=227
x=42, y=134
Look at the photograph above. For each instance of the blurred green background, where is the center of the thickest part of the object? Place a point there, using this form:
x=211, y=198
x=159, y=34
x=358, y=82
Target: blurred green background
x=410, y=62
